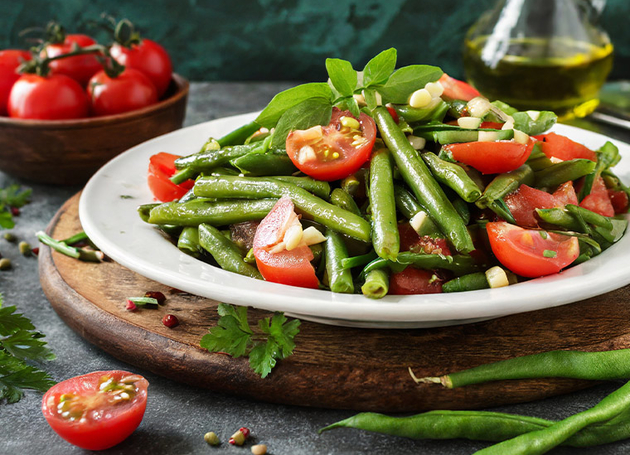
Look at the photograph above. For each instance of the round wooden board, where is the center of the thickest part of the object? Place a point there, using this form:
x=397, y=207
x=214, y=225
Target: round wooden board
x=336, y=367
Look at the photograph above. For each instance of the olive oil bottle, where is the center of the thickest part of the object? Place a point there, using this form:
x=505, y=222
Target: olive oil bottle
x=544, y=55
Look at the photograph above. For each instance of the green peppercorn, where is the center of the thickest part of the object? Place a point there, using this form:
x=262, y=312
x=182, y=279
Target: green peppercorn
x=9, y=237
x=25, y=248
x=5, y=264
x=211, y=438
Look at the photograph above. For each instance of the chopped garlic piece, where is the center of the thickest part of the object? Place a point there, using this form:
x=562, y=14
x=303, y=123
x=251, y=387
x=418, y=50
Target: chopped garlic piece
x=470, y=123
x=306, y=153
x=420, y=98
x=418, y=220
x=293, y=236
x=520, y=137
x=416, y=142
x=509, y=124
x=359, y=99
x=497, y=277
x=312, y=236
x=478, y=106
x=533, y=115
x=488, y=136
x=435, y=89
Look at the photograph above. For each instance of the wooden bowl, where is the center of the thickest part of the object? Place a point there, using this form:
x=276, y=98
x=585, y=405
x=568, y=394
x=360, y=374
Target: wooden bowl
x=68, y=152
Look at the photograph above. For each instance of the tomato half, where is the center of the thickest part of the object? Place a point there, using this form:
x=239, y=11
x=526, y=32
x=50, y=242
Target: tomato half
x=161, y=169
x=286, y=267
x=557, y=146
x=98, y=410
x=10, y=59
x=531, y=253
x=54, y=97
x=619, y=201
x=455, y=89
x=129, y=91
x=598, y=200
x=79, y=67
x=491, y=157
x=411, y=241
x=524, y=201
x=334, y=151
x=148, y=57
x=414, y=281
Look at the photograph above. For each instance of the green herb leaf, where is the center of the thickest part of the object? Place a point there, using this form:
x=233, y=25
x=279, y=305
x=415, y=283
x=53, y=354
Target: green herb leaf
x=523, y=122
x=11, y=322
x=607, y=157
x=349, y=104
x=289, y=98
x=378, y=70
x=281, y=331
x=342, y=75
x=15, y=196
x=370, y=98
x=407, y=80
x=6, y=218
x=310, y=112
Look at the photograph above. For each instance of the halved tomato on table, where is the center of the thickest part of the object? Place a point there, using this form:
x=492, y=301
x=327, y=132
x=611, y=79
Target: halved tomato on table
x=530, y=252
x=491, y=157
x=161, y=169
x=334, y=151
x=98, y=410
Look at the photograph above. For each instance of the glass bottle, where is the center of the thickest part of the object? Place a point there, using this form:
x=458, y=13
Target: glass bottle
x=540, y=54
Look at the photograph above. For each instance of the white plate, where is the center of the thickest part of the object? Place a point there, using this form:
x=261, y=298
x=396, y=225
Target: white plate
x=111, y=221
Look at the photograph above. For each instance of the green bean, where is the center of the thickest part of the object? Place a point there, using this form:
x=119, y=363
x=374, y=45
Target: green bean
x=607, y=156
x=225, y=252
x=562, y=218
x=352, y=183
x=317, y=187
x=409, y=207
x=419, y=178
x=145, y=209
x=504, y=184
x=342, y=199
x=339, y=278
x=453, y=176
x=385, y=236
x=458, y=264
x=76, y=238
x=188, y=173
x=376, y=284
x=239, y=135
x=500, y=208
x=356, y=261
x=414, y=114
x=589, y=216
x=470, y=282
x=563, y=172
x=207, y=160
x=272, y=162
x=537, y=159
x=221, y=213
x=188, y=241
x=321, y=211
x=461, y=207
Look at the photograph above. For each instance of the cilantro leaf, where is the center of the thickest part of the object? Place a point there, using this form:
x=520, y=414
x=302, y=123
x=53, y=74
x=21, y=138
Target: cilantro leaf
x=6, y=218
x=16, y=375
x=263, y=357
x=281, y=331
x=378, y=70
x=11, y=322
x=26, y=345
x=228, y=336
x=342, y=75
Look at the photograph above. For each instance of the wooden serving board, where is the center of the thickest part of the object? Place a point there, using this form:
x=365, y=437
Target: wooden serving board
x=336, y=367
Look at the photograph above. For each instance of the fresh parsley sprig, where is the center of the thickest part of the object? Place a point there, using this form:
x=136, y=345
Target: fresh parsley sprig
x=233, y=335
x=12, y=196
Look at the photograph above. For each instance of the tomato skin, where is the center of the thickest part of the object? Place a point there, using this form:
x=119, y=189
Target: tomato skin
x=491, y=157
x=455, y=89
x=411, y=241
x=54, y=97
x=113, y=426
x=10, y=59
x=523, y=202
x=148, y=57
x=521, y=250
x=351, y=158
x=129, y=91
x=619, y=201
x=79, y=67
x=414, y=281
x=561, y=147
x=161, y=169
x=598, y=201
x=293, y=267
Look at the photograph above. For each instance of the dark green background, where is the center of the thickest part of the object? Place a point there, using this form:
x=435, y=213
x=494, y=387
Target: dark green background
x=289, y=39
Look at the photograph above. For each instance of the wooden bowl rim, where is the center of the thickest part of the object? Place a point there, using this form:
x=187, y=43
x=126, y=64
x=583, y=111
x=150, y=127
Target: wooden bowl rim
x=181, y=92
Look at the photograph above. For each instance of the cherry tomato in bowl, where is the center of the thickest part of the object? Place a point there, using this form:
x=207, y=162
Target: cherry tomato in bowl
x=79, y=67
x=10, y=59
x=98, y=410
x=128, y=91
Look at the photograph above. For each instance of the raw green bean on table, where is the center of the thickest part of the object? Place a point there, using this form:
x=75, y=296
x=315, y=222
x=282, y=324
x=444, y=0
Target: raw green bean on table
x=504, y=184
x=342, y=199
x=385, y=236
x=376, y=284
x=453, y=176
x=562, y=172
x=225, y=252
x=416, y=174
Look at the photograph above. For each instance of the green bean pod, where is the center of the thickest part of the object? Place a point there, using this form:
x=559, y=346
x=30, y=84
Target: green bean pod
x=416, y=174
x=317, y=187
x=385, y=236
x=564, y=171
x=145, y=209
x=188, y=241
x=222, y=213
x=239, y=135
x=459, y=264
x=272, y=162
x=537, y=159
x=342, y=199
x=339, y=278
x=321, y=211
x=409, y=207
x=590, y=216
x=504, y=184
x=376, y=284
x=205, y=161
x=562, y=218
x=470, y=282
x=453, y=176
x=225, y=252
x=414, y=114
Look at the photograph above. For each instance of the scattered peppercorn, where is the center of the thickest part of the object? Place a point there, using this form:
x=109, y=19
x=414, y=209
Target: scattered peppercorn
x=15, y=211
x=259, y=449
x=25, y=248
x=160, y=297
x=9, y=237
x=5, y=264
x=245, y=431
x=170, y=321
x=211, y=438
x=237, y=439
x=131, y=306
x=35, y=251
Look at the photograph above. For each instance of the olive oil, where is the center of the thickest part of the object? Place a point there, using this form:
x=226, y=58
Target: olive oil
x=556, y=74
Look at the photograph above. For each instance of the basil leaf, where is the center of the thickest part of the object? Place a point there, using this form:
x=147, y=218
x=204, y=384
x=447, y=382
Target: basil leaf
x=378, y=70
x=342, y=75
x=407, y=80
x=348, y=103
x=523, y=122
x=370, y=98
x=290, y=98
x=310, y=112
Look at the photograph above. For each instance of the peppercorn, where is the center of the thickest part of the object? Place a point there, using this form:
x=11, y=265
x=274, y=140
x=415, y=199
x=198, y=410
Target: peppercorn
x=15, y=211
x=160, y=297
x=259, y=449
x=170, y=321
x=237, y=438
x=211, y=438
x=5, y=264
x=9, y=237
x=25, y=248
x=245, y=431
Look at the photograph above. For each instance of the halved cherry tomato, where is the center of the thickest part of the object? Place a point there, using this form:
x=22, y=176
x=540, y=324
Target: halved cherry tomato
x=286, y=267
x=598, y=201
x=335, y=151
x=53, y=97
x=455, y=89
x=556, y=146
x=98, y=410
x=492, y=157
x=531, y=253
x=411, y=241
x=79, y=67
x=523, y=202
x=619, y=201
x=10, y=59
x=414, y=281
x=128, y=91
x=161, y=169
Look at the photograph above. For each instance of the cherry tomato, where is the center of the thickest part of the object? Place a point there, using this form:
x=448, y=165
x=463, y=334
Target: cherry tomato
x=10, y=59
x=148, y=57
x=98, y=410
x=491, y=157
x=414, y=281
x=556, y=146
x=286, y=267
x=335, y=151
x=598, y=201
x=523, y=202
x=161, y=169
x=411, y=241
x=619, y=201
x=129, y=91
x=53, y=97
x=531, y=253
x=457, y=90
x=79, y=67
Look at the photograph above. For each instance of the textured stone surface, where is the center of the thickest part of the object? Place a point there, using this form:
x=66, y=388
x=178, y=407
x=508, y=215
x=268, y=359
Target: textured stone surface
x=177, y=415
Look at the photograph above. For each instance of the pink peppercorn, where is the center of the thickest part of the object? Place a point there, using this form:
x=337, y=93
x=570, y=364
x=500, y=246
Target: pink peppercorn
x=170, y=321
